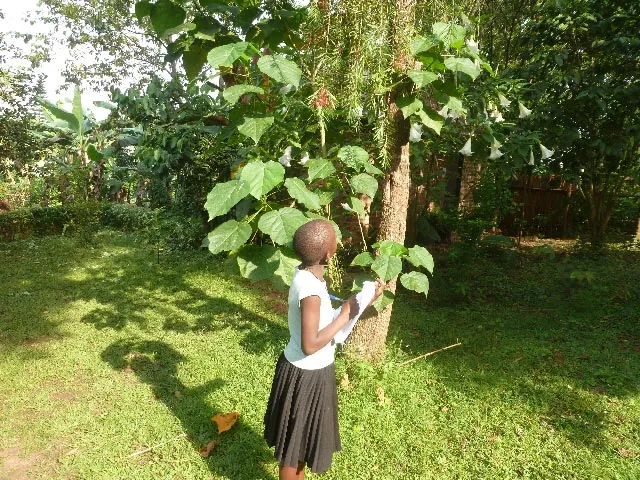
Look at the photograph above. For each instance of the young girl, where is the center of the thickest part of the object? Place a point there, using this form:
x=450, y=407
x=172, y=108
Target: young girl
x=301, y=421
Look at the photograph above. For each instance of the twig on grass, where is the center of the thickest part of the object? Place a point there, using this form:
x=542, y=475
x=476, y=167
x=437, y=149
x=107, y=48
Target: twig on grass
x=431, y=353
x=148, y=449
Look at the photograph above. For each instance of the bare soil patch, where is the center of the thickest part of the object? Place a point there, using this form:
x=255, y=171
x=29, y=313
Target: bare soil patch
x=16, y=466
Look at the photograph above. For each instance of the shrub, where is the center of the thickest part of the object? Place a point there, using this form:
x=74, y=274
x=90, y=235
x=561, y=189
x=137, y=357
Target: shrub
x=171, y=231
x=127, y=217
x=79, y=217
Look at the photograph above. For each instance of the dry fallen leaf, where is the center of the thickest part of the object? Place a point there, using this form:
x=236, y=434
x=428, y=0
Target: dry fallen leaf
x=624, y=453
x=206, y=450
x=380, y=395
x=225, y=420
x=344, y=383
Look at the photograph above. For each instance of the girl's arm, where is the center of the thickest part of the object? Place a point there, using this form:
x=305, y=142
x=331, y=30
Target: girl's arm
x=314, y=339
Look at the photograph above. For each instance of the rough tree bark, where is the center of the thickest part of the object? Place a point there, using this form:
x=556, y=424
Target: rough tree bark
x=369, y=337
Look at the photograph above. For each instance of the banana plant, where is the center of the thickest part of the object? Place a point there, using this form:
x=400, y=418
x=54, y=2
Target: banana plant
x=78, y=134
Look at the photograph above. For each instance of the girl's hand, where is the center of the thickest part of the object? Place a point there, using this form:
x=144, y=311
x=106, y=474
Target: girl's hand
x=350, y=307
x=380, y=286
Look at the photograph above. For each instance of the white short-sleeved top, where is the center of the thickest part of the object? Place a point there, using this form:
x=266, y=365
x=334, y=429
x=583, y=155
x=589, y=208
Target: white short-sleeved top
x=303, y=285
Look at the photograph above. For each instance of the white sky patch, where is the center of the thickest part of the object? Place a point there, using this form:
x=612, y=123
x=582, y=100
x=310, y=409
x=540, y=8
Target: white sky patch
x=18, y=16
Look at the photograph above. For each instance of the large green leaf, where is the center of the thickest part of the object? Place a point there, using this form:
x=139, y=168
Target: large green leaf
x=281, y=224
x=61, y=114
x=386, y=267
x=229, y=236
x=319, y=168
x=464, y=65
x=422, y=44
x=77, y=107
x=256, y=262
x=372, y=169
x=254, y=127
x=94, y=154
x=225, y=55
x=416, y=281
x=451, y=34
x=421, y=78
x=165, y=15
x=106, y=105
x=431, y=120
x=383, y=301
x=261, y=177
x=356, y=205
x=233, y=93
x=364, y=183
x=287, y=263
x=183, y=27
x=420, y=257
x=391, y=248
x=298, y=190
x=409, y=105
x=224, y=196
x=354, y=157
x=280, y=69
x=325, y=196
x=194, y=59
x=142, y=9
x=363, y=259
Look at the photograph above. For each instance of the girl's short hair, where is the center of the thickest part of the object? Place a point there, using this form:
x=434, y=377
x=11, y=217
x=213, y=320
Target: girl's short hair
x=313, y=240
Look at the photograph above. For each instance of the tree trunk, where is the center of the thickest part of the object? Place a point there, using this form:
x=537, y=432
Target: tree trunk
x=468, y=180
x=369, y=337
x=638, y=230
x=601, y=204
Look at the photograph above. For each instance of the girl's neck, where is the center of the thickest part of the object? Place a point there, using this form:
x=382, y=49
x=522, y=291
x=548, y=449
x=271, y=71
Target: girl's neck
x=317, y=270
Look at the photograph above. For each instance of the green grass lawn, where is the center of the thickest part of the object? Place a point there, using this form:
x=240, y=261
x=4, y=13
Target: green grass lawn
x=104, y=352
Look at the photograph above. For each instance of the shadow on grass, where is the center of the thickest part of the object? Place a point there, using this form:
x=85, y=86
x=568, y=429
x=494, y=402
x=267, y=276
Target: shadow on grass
x=124, y=286
x=565, y=351
x=241, y=452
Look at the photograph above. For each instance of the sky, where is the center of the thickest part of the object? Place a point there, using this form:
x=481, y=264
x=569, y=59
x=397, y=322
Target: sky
x=15, y=12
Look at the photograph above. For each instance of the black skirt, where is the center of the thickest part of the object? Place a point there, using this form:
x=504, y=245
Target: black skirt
x=301, y=421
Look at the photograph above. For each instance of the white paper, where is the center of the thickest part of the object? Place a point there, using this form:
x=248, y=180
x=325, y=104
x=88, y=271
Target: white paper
x=363, y=298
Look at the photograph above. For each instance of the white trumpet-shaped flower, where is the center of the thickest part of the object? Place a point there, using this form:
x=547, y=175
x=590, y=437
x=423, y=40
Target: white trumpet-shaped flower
x=561, y=165
x=524, y=111
x=305, y=158
x=495, y=149
x=285, y=159
x=546, y=153
x=466, y=150
x=347, y=207
x=504, y=101
x=415, y=134
x=495, y=154
x=497, y=115
x=531, y=159
x=473, y=45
